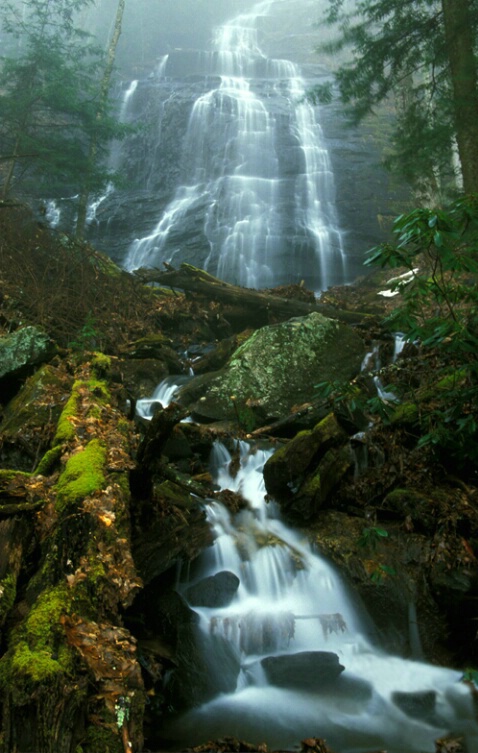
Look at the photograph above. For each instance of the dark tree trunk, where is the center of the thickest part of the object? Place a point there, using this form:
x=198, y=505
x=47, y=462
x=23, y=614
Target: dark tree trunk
x=257, y=307
x=459, y=35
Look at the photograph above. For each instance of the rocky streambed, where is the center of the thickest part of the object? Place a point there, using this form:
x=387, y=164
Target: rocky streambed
x=102, y=512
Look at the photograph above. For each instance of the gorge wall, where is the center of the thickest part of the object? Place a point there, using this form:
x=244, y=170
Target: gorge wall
x=170, y=61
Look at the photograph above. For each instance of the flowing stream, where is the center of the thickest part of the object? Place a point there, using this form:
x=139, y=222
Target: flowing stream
x=256, y=173
x=291, y=652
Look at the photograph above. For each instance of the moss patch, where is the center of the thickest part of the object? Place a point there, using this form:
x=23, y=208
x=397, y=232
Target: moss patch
x=40, y=652
x=65, y=431
x=48, y=461
x=83, y=474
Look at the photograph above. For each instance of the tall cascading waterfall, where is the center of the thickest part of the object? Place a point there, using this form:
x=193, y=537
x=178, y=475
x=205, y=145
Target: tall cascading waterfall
x=291, y=654
x=255, y=172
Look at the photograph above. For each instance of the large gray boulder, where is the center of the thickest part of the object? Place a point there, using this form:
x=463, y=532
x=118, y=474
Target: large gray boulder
x=275, y=369
x=23, y=349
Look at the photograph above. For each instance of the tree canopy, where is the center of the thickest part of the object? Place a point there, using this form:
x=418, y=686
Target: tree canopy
x=49, y=101
x=422, y=52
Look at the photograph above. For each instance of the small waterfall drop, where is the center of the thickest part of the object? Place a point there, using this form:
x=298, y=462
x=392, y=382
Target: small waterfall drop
x=115, y=154
x=290, y=615
x=255, y=172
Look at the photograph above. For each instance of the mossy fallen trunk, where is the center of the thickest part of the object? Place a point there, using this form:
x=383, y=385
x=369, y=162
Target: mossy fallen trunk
x=69, y=676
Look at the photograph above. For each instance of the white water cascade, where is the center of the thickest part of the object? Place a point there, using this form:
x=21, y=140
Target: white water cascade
x=115, y=154
x=255, y=172
x=291, y=603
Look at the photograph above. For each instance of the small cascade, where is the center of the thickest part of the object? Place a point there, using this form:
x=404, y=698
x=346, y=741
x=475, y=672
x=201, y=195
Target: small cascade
x=161, y=67
x=295, y=648
x=162, y=396
x=257, y=189
x=115, y=155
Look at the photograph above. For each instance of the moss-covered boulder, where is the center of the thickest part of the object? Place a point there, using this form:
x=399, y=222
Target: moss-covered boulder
x=23, y=349
x=302, y=474
x=277, y=368
x=29, y=419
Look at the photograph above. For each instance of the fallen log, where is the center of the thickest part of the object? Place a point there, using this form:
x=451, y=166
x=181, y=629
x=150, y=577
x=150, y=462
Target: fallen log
x=197, y=281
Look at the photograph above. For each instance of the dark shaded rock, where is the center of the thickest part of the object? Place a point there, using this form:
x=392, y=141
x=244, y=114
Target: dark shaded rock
x=155, y=346
x=418, y=705
x=286, y=467
x=351, y=688
x=215, y=591
x=29, y=420
x=160, y=541
x=302, y=474
x=419, y=508
x=307, y=670
x=140, y=376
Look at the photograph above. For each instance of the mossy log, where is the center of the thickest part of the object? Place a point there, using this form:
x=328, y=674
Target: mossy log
x=69, y=662
x=252, y=302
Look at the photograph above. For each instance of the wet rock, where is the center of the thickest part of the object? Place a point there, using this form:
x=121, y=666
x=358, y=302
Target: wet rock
x=418, y=705
x=215, y=591
x=351, y=688
x=422, y=510
x=155, y=346
x=162, y=540
x=23, y=349
x=277, y=368
x=307, y=670
x=140, y=376
x=302, y=474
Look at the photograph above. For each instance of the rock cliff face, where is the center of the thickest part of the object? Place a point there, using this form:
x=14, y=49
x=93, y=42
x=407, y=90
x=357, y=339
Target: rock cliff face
x=153, y=161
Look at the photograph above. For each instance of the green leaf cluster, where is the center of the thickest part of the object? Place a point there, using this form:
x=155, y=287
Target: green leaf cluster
x=439, y=311
x=400, y=57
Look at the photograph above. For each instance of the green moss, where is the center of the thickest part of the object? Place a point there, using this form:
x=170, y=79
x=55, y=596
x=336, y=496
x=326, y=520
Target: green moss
x=123, y=426
x=39, y=651
x=312, y=487
x=102, y=739
x=39, y=665
x=101, y=364
x=83, y=474
x=65, y=430
x=8, y=475
x=405, y=413
x=48, y=461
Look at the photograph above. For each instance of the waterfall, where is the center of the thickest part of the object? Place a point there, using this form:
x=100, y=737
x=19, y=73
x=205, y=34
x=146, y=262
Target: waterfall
x=288, y=630
x=115, y=154
x=256, y=177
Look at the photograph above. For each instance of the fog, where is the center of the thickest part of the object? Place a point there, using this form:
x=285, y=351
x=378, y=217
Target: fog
x=152, y=28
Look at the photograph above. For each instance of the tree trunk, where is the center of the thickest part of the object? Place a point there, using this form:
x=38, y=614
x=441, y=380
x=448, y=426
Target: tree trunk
x=459, y=35
x=257, y=307
x=104, y=89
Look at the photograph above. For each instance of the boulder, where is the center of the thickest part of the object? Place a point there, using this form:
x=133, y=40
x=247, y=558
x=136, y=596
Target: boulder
x=418, y=705
x=29, y=420
x=302, y=474
x=306, y=670
x=22, y=350
x=276, y=369
x=215, y=591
